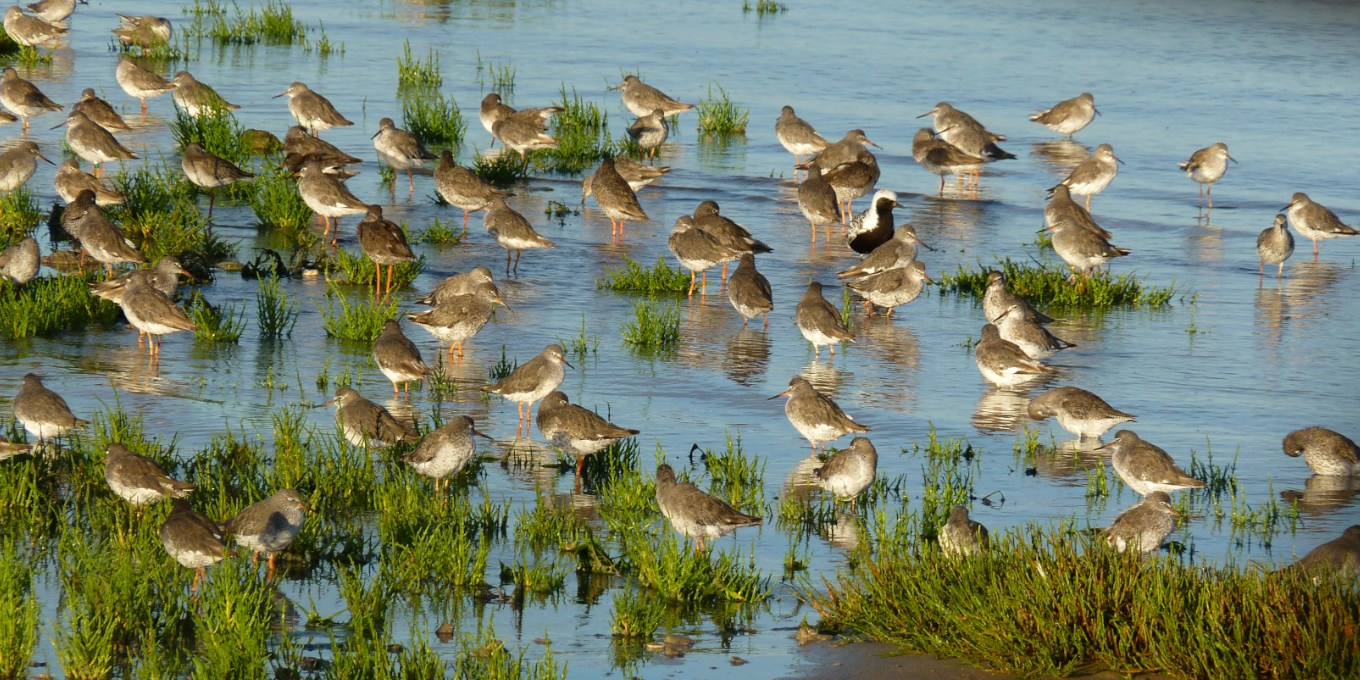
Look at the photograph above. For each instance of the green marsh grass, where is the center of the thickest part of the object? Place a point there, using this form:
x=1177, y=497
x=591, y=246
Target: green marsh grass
x=232, y=623
x=368, y=603
x=217, y=130
x=549, y=527
x=271, y=24
x=276, y=312
x=358, y=270
x=538, y=577
x=19, y=625
x=359, y=318
x=669, y=565
x=736, y=477
x=582, y=343
x=501, y=368
x=635, y=614
x=632, y=278
x=278, y=205
x=501, y=170
x=437, y=559
x=433, y=118
x=20, y=214
x=48, y=305
x=323, y=45
x=160, y=216
x=582, y=131
x=619, y=458
x=1049, y=600
x=440, y=233
x=503, y=78
x=84, y=642
x=414, y=73
x=720, y=115
x=486, y=658
x=216, y=323
x=655, y=327
x=950, y=467
x=1050, y=284
x=8, y=48
x=764, y=8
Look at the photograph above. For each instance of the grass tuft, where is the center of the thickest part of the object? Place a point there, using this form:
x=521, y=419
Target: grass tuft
x=216, y=324
x=433, y=118
x=276, y=312
x=217, y=130
x=20, y=214
x=278, y=205
x=655, y=327
x=418, y=74
x=764, y=8
x=360, y=319
x=635, y=615
x=501, y=170
x=1049, y=284
x=358, y=270
x=720, y=115
x=582, y=131
x=632, y=278
x=439, y=232
x=48, y=305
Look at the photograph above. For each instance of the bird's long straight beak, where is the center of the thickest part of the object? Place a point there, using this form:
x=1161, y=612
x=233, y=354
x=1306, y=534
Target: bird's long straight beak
x=1106, y=447
x=866, y=141
x=185, y=272
x=921, y=243
x=483, y=435
x=927, y=113
x=329, y=403
x=1174, y=513
x=927, y=278
x=498, y=301
x=564, y=361
x=45, y=158
x=304, y=506
x=1116, y=159
x=64, y=122
x=285, y=94
x=1233, y=159
x=1098, y=113
x=785, y=393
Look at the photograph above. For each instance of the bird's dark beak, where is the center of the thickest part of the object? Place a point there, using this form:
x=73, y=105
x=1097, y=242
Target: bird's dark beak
x=304, y=506
x=785, y=393
x=1116, y=159
x=497, y=299
x=186, y=273
x=285, y=94
x=329, y=403
x=375, y=135
x=866, y=141
x=564, y=361
x=45, y=158
x=64, y=122
x=1096, y=110
x=1233, y=159
x=1174, y=513
x=899, y=205
x=1291, y=204
x=483, y=435
x=922, y=244
x=1106, y=447
x=927, y=113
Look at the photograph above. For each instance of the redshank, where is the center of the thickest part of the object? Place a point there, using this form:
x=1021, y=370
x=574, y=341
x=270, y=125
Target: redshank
x=193, y=540
x=1207, y=166
x=1032, y=339
x=531, y=381
x=749, y=291
x=458, y=284
x=697, y=251
x=1093, y=174
x=1143, y=527
x=139, y=82
x=576, y=430
x=93, y=143
x=327, y=196
x=210, y=172
x=819, y=322
x=817, y=201
x=797, y=136
x=650, y=131
x=961, y=536
x=20, y=262
x=400, y=150
x=1146, y=468
x=269, y=526
x=456, y=319
x=42, y=412
x=197, y=98
x=18, y=164
x=463, y=188
x=138, y=479
x=999, y=298
x=642, y=99
x=99, y=111
x=695, y=514
x=848, y=472
x=70, y=180
x=815, y=415
x=1326, y=452
x=1003, y=363
x=22, y=97
x=398, y=358
x=1275, y=245
x=384, y=242
x=512, y=232
x=312, y=110
x=1068, y=117
x=445, y=451
x=1315, y=222
x=1078, y=411
x=364, y=423
x=891, y=288
x=616, y=198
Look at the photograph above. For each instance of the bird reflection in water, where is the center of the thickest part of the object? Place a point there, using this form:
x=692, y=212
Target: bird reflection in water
x=1005, y=410
x=1060, y=155
x=891, y=346
x=843, y=533
x=1324, y=494
x=748, y=355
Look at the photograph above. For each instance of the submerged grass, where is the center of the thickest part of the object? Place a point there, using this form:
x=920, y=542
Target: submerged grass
x=216, y=324
x=433, y=118
x=360, y=318
x=632, y=278
x=720, y=115
x=276, y=312
x=19, y=625
x=20, y=214
x=48, y=305
x=418, y=74
x=1048, y=600
x=501, y=170
x=1050, y=284
x=358, y=270
x=582, y=131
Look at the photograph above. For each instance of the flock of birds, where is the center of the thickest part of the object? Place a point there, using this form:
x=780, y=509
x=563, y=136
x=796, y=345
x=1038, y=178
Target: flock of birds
x=1013, y=343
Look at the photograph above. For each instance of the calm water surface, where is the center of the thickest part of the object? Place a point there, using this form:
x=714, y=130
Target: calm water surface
x=1275, y=81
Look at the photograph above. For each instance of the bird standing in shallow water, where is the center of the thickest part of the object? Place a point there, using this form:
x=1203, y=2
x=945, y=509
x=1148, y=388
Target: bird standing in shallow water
x=576, y=430
x=210, y=172
x=22, y=97
x=817, y=201
x=384, y=242
x=1070, y=116
x=463, y=188
x=1002, y=362
x=364, y=423
x=1275, y=245
x=400, y=150
x=850, y=471
x=312, y=110
x=42, y=412
x=1146, y=468
x=512, y=232
x=193, y=540
x=1207, y=166
x=961, y=536
x=694, y=513
x=616, y=198
x=1143, y=527
x=269, y=526
x=139, y=82
x=1315, y=222
x=819, y=322
x=697, y=251
x=1093, y=174
x=456, y=319
x=642, y=99
x=798, y=137
x=816, y=416
x=650, y=131
x=327, y=197
x=1078, y=411
x=398, y=358
x=445, y=452
x=749, y=291
x=1325, y=451
x=531, y=382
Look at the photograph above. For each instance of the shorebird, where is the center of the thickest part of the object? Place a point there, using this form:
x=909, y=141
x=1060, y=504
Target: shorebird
x=400, y=150
x=445, y=451
x=144, y=31
x=398, y=358
x=1078, y=411
x=1002, y=362
x=817, y=201
x=164, y=278
x=210, y=172
x=138, y=479
x=364, y=423
x=151, y=312
x=493, y=111
x=636, y=174
x=53, y=11
x=695, y=514
x=951, y=124
x=1340, y=556
x=1081, y=248
x=1143, y=527
x=42, y=412
x=99, y=237
x=842, y=151
x=797, y=137
x=576, y=430
x=1068, y=117
x=30, y=31
x=20, y=262
x=512, y=232
x=1325, y=451
x=873, y=227
x=1145, y=468
x=650, y=131
x=851, y=179
x=198, y=98
x=18, y=164
x=961, y=536
x=1315, y=222
x=99, y=111
x=891, y=288
x=456, y=319
x=1207, y=166
x=327, y=196
x=462, y=188
x=300, y=143
x=22, y=97
x=850, y=471
x=642, y=99
x=385, y=243
x=1062, y=209
x=70, y=180
x=697, y=251
x=819, y=322
x=458, y=284
x=93, y=143
x=815, y=415
x=749, y=291
x=193, y=540
x=312, y=110
x=616, y=198
x=941, y=158
x=1093, y=174
x=1032, y=339
x=895, y=253
x=139, y=82
x=531, y=381
x=524, y=136
x=998, y=299
x=975, y=143
x=10, y=449
x=269, y=526
x=1275, y=245
x=726, y=232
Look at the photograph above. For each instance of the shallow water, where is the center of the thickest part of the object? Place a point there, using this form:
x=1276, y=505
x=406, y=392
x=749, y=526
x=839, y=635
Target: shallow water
x=1272, y=80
